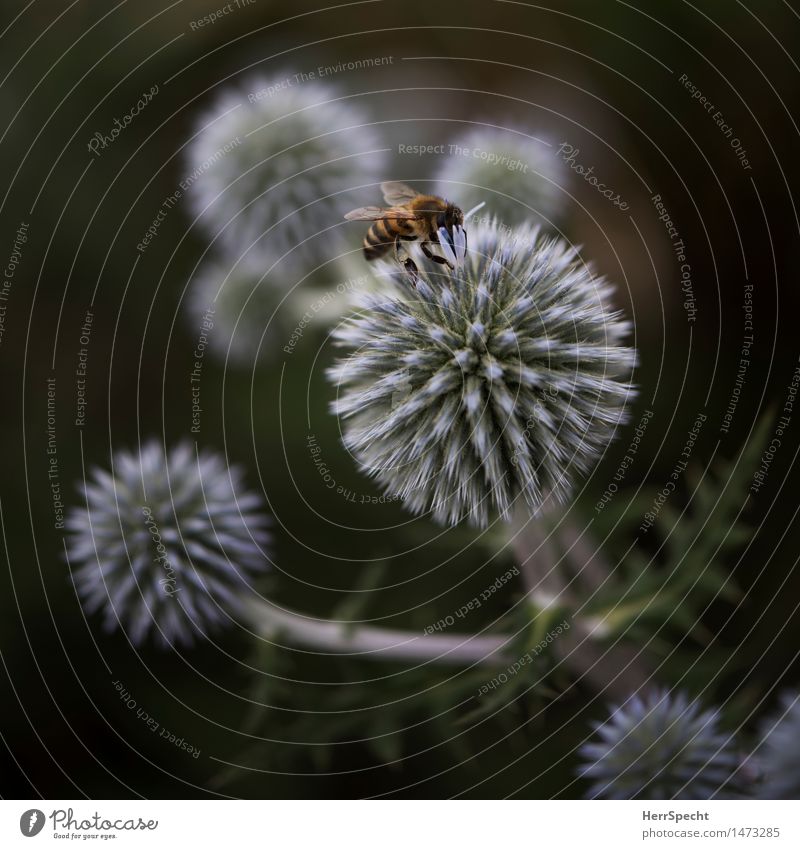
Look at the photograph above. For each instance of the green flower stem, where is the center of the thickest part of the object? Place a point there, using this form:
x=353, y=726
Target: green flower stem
x=552, y=578
x=273, y=622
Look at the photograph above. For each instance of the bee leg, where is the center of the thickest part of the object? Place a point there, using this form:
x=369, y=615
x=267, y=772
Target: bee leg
x=412, y=270
x=430, y=255
x=408, y=264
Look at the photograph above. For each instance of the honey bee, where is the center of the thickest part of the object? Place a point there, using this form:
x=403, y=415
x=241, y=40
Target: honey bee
x=412, y=217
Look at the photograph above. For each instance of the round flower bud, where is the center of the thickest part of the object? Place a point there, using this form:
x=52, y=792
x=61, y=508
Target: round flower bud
x=502, y=380
x=237, y=313
x=241, y=318
x=520, y=178
x=661, y=746
x=777, y=754
x=272, y=170
x=166, y=545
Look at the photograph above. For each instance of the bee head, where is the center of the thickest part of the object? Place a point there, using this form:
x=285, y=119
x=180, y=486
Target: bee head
x=450, y=217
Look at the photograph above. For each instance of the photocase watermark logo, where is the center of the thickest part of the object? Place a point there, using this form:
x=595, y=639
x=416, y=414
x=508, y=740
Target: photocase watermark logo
x=31, y=822
x=168, y=582
x=66, y=826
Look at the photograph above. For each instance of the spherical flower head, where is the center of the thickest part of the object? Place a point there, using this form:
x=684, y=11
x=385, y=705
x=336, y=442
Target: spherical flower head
x=778, y=753
x=271, y=167
x=234, y=314
x=166, y=544
x=498, y=381
x=519, y=177
x=661, y=746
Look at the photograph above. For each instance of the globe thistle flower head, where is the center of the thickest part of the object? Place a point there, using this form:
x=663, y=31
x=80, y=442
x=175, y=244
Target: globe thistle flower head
x=271, y=168
x=778, y=752
x=235, y=312
x=519, y=177
x=166, y=544
x=502, y=379
x=660, y=746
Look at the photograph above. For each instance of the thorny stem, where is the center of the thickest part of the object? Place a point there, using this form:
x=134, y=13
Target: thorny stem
x=327, y=636
x=551, y=578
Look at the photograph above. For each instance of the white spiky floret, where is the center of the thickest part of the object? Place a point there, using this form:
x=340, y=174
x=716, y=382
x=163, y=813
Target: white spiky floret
x=661, y=746
x=520, y=177
x=271, y=169
x=515, y=371
x=778, y=751
x=166, y=545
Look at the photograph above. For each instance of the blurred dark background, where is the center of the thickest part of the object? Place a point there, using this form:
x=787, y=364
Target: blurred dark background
x=604, y=77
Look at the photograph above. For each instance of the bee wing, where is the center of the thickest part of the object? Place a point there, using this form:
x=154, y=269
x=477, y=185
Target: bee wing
x=397, y=194
x=375, y=213
x=366, y=213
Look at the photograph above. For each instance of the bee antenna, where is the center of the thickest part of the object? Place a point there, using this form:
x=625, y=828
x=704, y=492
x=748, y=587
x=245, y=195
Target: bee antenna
x=474, y=209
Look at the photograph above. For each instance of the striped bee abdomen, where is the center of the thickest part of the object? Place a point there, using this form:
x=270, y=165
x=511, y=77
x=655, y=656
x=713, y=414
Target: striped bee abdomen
x=380, y=238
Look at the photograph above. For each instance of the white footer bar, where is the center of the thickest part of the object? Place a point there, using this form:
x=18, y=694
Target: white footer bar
x=411, y=824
